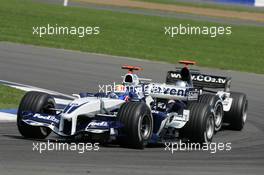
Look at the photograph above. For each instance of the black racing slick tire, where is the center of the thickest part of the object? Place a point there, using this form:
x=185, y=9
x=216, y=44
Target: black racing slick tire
x=237, y=115
x=36, y=102
x=216, y=104
x=138, y=124
x=200, y=127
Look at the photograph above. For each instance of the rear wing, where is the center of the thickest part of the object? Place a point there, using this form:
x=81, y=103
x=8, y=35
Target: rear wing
x=200, y=80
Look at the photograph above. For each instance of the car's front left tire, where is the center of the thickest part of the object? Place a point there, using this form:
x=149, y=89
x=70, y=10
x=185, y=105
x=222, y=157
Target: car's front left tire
x=35, y=102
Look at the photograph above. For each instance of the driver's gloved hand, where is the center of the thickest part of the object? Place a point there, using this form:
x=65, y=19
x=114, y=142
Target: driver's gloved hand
x=113, y=95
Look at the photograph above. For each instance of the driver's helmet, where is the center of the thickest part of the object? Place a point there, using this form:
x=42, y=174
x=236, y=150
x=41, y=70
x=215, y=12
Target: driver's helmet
x=182, y=84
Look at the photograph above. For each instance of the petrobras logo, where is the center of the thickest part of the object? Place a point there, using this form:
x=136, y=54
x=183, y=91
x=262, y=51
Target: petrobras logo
x=48, y=117
x=202, y=78
x=74, y=104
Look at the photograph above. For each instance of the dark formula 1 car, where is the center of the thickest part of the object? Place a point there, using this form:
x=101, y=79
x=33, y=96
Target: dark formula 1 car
x=139, y=111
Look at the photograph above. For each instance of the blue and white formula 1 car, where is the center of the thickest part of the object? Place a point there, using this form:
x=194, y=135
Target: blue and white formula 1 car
x=139, y=111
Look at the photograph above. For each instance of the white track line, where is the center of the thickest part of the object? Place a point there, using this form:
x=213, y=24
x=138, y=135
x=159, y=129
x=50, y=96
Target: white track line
x=7, y=117
x=27, y=88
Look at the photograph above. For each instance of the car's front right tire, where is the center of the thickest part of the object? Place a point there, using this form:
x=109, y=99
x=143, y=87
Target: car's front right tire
x=215, y=102
x=201, y=125
x=237, y=115
x=138, y=124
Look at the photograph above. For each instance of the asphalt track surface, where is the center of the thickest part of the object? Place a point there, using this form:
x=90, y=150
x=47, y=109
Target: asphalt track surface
x=71, y=71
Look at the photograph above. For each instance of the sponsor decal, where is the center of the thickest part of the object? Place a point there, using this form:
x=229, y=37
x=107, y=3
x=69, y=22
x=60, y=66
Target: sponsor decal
x=95, y=124
x=48, y=117
x=191, y=93
x=202, y=78
x=168, y=90
x=73, y=106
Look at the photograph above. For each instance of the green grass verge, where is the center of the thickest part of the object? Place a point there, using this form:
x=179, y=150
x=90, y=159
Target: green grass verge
x=133, y=35
x=9, y=97
x=208, y=5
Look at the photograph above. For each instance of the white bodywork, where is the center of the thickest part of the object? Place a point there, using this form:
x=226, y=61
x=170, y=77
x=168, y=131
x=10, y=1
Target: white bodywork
x=226, y=100
x=88, y=106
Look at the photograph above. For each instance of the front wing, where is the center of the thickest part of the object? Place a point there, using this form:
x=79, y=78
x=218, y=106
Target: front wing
x=97, y=124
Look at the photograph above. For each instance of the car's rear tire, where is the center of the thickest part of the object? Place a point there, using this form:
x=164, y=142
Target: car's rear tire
x=200, y=127
x=138, y=124
x=35, y=102
x=237, y=115
x=216, y=105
